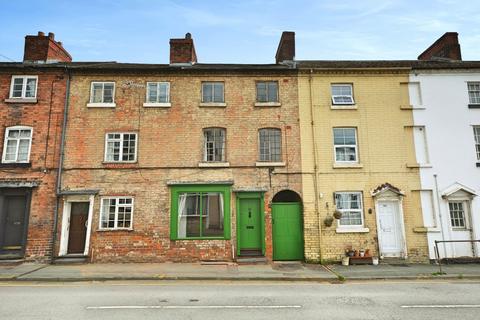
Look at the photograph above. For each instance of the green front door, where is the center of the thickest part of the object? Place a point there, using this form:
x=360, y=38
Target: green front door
x=287, y=231
x=250, y=233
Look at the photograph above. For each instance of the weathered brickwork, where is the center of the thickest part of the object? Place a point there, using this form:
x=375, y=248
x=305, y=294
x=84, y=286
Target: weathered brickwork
x=385, y=147
x=45, y=117
x=170, y=148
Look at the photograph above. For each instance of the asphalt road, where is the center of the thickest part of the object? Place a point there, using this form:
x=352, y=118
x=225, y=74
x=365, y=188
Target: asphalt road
x=240, y=300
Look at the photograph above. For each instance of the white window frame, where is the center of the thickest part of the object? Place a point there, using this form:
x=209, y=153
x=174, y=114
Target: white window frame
x=345, y=146
x=343, y=96
x=5, y=141
x=157, y=103
x=465, y=206
x=24, y=86
x=117, y=205
x=351, y=226
x=213, y=92
x=121, y=147
x=468, y=91
x=205, y=156
x=102, y=104
x=476, y=136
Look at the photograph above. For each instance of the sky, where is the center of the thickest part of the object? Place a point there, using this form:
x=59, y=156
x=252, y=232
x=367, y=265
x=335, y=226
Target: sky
x=241, y=31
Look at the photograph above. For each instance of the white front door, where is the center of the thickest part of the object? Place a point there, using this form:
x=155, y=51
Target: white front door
x=460, y=228
x=389, y=229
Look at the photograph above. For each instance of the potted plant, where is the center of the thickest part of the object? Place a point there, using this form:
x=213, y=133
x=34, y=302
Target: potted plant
x=328, y=221
x=337, y=214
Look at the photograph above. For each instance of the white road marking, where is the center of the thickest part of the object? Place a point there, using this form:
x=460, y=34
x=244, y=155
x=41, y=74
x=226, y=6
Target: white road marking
x=194, y=307
x=445, y=306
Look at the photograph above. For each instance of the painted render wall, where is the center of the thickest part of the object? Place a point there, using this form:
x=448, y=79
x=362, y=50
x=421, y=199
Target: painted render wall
x=451, y=148
x=385, y=151
x=170, y=147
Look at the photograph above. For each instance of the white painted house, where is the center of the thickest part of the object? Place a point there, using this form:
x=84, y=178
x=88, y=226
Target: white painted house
x=445, y=98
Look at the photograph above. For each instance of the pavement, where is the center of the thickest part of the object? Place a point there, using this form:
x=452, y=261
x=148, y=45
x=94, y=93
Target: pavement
x=277, y=271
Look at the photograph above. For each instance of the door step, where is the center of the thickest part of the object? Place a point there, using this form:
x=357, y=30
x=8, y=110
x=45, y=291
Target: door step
x=71, y=259
x=252, y=260
x=394, y=261
x=251, y=253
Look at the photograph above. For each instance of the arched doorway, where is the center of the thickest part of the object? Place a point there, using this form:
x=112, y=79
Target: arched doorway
x=287, y=226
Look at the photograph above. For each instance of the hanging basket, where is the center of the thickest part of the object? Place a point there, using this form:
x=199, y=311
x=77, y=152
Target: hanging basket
x=328, y=221
x=337, y=214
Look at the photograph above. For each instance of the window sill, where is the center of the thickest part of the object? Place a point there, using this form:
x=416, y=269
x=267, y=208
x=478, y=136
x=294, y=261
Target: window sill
x=347, y=165
x=214, y=164
x=268, y=104
x=412, y=107
x=101, y=105
x=15, y=165
x=352, y=230
x=115, y=230
x=21, y=100
x=120, y=165
x=213, y=104
x=419, y=165
x=200, y=238
x=474, y=106
x=157, y=105
x=343, y=107
x=270, y=164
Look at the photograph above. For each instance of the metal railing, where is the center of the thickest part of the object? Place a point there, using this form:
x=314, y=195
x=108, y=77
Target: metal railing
x=437, y=253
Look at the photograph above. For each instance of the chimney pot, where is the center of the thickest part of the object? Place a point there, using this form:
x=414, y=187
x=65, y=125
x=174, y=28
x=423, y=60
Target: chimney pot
x=51, y=35
x=188, y=35
x=41, y=34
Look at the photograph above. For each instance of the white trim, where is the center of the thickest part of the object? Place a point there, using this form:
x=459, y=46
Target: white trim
x=121, y=148
x=67, y=207
x=267, y=104
x=100, y=228
x=357, y=160
x=24, y=86
x=157, y=104
x=342, y=229
x=212, y=104
x=5, y=140
x=455, y=187
x=344, y=107
x=347, y=165
x=102, y=104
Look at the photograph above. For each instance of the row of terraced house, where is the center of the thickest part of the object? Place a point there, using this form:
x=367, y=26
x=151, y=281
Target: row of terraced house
x=296, y=160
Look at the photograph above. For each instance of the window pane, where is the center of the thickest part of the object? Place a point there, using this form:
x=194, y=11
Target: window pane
x=108, y=92
x=31, y=86
x=17, y=88
x=261, y=92
x=212, y=215
x=218, y=91
x=13, y=133
x=97, y=94
x=189, y=215
x=152, y=92
x=272, y=92
x=23, y=150
x=207, y=92
x=474, y=92
x=163, y=92
x=270, y=145
x=457, y=214
x=10, y=153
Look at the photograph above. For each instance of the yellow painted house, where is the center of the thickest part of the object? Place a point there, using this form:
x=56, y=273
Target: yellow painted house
x=358, y=161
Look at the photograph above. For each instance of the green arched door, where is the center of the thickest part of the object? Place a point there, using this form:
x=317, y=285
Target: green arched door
x=287, y=231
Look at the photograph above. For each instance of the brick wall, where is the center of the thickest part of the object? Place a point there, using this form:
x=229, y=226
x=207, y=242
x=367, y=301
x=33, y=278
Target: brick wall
x=170, y=149
x=45, y=117
x=384, y=150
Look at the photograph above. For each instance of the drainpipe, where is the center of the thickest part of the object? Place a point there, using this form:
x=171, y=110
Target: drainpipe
x=315, y=166
x=60, y=164
x=440, y=215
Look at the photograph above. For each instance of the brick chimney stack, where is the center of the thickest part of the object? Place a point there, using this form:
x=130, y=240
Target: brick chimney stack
x=44, y=49
x=446, y=47
x=286, y=47
x=182, y=51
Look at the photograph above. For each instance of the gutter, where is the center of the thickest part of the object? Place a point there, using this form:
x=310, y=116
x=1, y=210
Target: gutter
x=58, y=186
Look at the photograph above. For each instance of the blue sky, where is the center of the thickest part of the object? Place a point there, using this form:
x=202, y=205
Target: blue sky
x=240, y=31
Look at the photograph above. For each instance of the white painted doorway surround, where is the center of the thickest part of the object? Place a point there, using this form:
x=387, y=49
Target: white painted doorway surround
x=67, y=206
x=390, y=224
